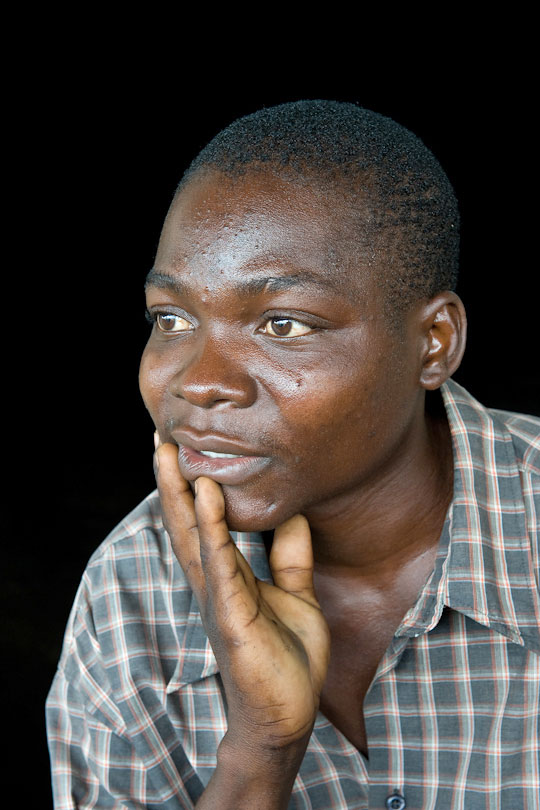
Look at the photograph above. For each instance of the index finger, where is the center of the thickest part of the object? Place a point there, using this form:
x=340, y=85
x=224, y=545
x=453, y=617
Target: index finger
x=179, y=517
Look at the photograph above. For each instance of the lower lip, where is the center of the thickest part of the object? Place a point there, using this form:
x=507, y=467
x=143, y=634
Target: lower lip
x=223, y=470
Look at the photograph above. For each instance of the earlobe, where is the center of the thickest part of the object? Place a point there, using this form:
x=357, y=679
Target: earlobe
x=445, y=333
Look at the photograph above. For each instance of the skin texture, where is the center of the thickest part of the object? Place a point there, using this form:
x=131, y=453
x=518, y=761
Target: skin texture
x=327, y=402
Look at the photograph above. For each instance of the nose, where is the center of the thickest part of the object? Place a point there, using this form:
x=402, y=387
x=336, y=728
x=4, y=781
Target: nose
x=214, y=374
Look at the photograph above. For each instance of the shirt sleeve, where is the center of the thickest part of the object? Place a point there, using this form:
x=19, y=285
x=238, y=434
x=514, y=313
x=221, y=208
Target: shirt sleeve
x=82, y=750
x=97, y=761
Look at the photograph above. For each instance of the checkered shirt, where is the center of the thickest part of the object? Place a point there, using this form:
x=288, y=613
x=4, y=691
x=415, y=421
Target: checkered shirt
x=136, y=710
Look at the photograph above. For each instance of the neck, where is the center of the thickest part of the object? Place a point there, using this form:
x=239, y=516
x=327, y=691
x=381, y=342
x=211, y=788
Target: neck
x=395, y=518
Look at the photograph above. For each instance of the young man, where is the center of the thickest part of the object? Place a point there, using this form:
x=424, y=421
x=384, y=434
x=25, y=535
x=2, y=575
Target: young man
x=381, y=647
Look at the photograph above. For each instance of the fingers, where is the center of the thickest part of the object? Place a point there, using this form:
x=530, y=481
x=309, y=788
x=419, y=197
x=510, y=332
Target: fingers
x=228, y=575
x=291, y=558
x=179, y=516
x=200, y=538
x=215, y=539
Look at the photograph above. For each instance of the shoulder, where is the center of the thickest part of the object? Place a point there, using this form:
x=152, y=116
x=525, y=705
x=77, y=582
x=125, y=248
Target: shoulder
x=497, y=465
x=133, y=588
x=495, y=535
x=142, y=528
x=136, y=556
x=496, y=437
x=524, y=431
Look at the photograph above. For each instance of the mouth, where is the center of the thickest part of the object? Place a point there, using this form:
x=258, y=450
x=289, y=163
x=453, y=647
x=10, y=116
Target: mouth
x=217, y=457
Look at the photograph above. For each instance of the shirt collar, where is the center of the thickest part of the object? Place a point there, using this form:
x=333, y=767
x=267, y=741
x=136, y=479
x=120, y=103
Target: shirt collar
x=491, y=577
x=484, y=567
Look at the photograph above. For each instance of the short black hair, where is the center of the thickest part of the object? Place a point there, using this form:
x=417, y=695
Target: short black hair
x=342, y=146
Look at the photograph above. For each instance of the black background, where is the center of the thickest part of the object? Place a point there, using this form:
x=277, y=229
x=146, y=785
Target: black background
x=100, y=148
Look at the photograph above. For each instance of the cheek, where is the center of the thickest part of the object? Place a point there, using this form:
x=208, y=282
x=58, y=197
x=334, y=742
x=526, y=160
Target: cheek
x=153, y=382
x=340, y=423
x=323, y=407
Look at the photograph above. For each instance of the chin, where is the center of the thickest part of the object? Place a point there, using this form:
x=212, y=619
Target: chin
x=251, y=515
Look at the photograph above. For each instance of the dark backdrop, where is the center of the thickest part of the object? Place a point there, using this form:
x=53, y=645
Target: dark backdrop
x=108, y=150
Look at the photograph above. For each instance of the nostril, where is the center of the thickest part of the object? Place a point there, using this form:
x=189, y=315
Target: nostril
x=208, y=387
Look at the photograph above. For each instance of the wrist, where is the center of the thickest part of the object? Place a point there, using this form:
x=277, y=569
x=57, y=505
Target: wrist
x=263, y=753
x=264, y=773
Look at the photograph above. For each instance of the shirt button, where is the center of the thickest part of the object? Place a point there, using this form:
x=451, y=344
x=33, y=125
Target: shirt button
x=396, y=802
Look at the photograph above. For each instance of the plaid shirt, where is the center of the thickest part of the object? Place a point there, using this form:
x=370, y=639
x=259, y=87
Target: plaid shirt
x=136, y=710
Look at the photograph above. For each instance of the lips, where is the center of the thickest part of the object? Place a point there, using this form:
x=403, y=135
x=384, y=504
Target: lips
x=225, y=460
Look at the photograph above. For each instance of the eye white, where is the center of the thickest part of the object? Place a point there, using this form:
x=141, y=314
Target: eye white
x=286, y=327
x=166, y=322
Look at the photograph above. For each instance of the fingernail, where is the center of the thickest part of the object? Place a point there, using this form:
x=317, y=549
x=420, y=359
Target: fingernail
x=156, y=440
x=196, y=486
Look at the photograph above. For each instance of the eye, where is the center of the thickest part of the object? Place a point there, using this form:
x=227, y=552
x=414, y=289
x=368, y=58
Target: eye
x=286, y=327
x=169, y=323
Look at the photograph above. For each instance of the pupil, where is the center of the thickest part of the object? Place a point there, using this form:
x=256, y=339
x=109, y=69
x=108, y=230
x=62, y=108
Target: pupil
x=281, y=326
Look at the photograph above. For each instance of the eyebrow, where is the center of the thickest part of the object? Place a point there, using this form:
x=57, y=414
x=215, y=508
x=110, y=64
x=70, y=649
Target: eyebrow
x=250, y=286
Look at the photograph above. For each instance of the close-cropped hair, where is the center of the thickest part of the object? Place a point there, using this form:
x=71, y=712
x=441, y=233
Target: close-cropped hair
x=402, y=206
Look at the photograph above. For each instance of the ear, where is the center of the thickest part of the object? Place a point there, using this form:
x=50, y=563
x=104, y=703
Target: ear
x=444, y=329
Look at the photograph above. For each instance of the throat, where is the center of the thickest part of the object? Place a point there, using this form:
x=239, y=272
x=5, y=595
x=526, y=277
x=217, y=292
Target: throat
x=356, y=652
x=363, y=613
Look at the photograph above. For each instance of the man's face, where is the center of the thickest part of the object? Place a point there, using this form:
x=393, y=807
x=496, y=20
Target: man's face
x=272, y=363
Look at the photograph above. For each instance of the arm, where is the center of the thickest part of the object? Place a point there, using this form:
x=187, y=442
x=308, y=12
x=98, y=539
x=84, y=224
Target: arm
x=271, y=642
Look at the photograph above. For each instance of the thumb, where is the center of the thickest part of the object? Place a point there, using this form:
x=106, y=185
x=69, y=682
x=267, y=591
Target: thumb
x=291, y=558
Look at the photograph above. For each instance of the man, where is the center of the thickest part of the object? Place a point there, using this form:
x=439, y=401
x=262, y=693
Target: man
x=381, y=647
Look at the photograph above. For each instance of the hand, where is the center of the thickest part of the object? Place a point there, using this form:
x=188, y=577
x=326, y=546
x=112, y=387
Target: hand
x=271, y=642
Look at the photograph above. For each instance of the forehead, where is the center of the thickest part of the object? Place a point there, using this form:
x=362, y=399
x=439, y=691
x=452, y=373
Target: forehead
x=259, y=220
